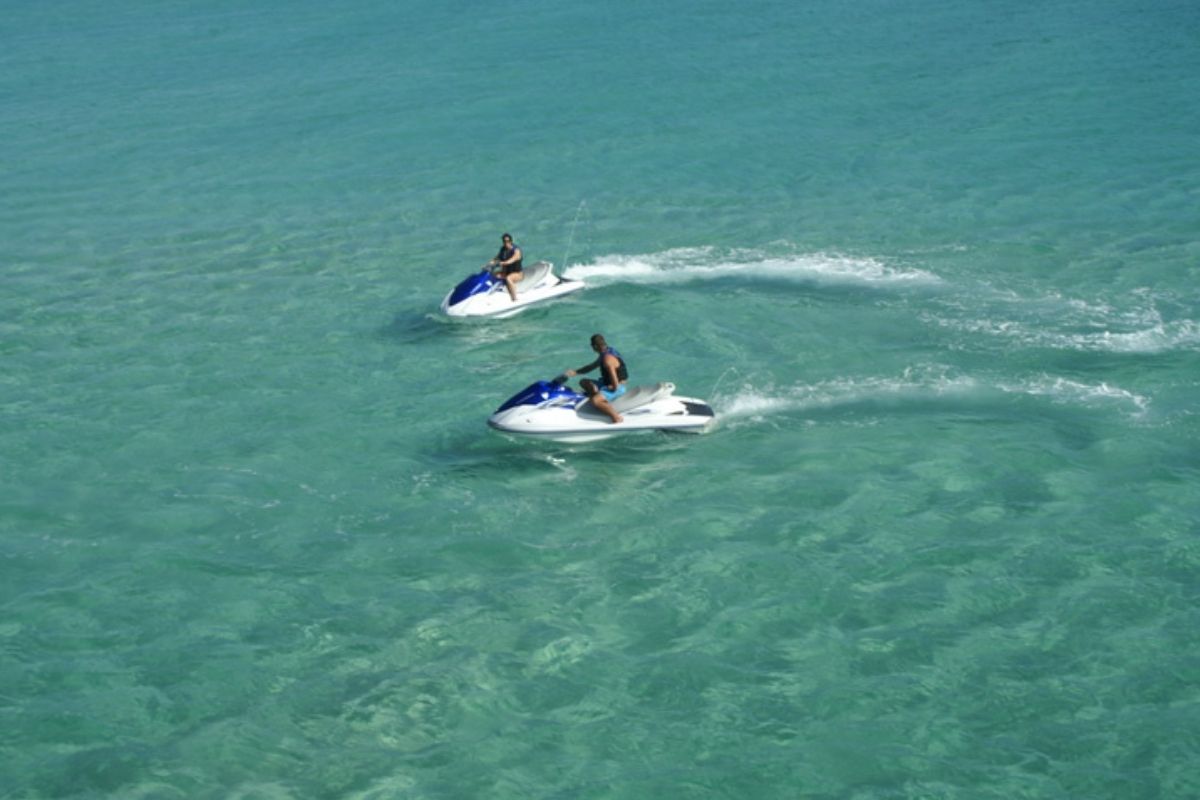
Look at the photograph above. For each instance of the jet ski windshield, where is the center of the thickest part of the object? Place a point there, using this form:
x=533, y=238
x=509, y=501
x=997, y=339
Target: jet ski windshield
x=476, y=283
x=543, y=392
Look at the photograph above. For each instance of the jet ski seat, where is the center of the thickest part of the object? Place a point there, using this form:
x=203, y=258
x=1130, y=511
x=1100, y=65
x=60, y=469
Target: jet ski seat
x=534, y=274
x=640, y=395
x=634, y=396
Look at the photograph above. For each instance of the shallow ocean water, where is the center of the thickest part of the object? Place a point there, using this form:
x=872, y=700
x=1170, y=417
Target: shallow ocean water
x=934, y=266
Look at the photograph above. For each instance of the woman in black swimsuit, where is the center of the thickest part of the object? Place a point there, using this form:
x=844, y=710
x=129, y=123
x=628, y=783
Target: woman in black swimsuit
x=509, y=262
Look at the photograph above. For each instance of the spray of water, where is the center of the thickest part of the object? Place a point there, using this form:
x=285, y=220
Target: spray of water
x=571, y=239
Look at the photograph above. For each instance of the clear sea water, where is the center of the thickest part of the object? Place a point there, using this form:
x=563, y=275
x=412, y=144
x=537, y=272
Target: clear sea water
x=935, y=265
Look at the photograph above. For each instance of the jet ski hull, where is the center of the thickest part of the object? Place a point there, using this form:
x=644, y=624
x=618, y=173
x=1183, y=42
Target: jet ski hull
x=484, y=296
x=549, y=411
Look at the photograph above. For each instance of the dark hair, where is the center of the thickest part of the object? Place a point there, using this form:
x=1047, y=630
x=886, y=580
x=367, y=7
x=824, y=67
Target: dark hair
x=506, y=236
x=597, y=339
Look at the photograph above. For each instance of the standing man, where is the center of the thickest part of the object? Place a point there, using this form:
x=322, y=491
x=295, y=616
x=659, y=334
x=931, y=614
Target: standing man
x=508, y=262
x=613, y=375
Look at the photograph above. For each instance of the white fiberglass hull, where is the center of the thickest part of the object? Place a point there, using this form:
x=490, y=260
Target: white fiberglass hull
x=539, y=285
x=584, y=423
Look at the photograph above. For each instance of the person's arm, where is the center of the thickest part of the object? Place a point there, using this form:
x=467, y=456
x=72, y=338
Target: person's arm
x=516, y=256
x=573, y=372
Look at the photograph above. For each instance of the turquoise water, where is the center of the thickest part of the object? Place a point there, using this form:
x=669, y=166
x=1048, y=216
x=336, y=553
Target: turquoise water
x=933, y=265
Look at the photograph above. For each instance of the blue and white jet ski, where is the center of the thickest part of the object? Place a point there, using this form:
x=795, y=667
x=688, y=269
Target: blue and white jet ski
x=484, y=295
x=552, y=410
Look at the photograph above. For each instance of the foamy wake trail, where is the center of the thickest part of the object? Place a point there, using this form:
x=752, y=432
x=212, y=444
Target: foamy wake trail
x=1069, y=392
x=914, y=387
x=1156, y=337
x=913, y=384
x=707, y=263
x=1134, y=325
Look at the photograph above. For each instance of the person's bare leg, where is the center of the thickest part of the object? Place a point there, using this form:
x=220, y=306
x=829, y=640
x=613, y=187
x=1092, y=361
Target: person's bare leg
x=601, y=402
x=510, y=280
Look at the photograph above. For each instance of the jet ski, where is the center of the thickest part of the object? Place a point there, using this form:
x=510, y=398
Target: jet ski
x=484, y=295
x=552, y=410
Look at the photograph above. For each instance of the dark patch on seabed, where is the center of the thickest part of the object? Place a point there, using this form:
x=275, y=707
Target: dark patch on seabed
x=412, y=327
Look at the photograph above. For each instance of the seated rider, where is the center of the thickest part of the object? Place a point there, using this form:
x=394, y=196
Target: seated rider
x=508, y=263
x=613, y=375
